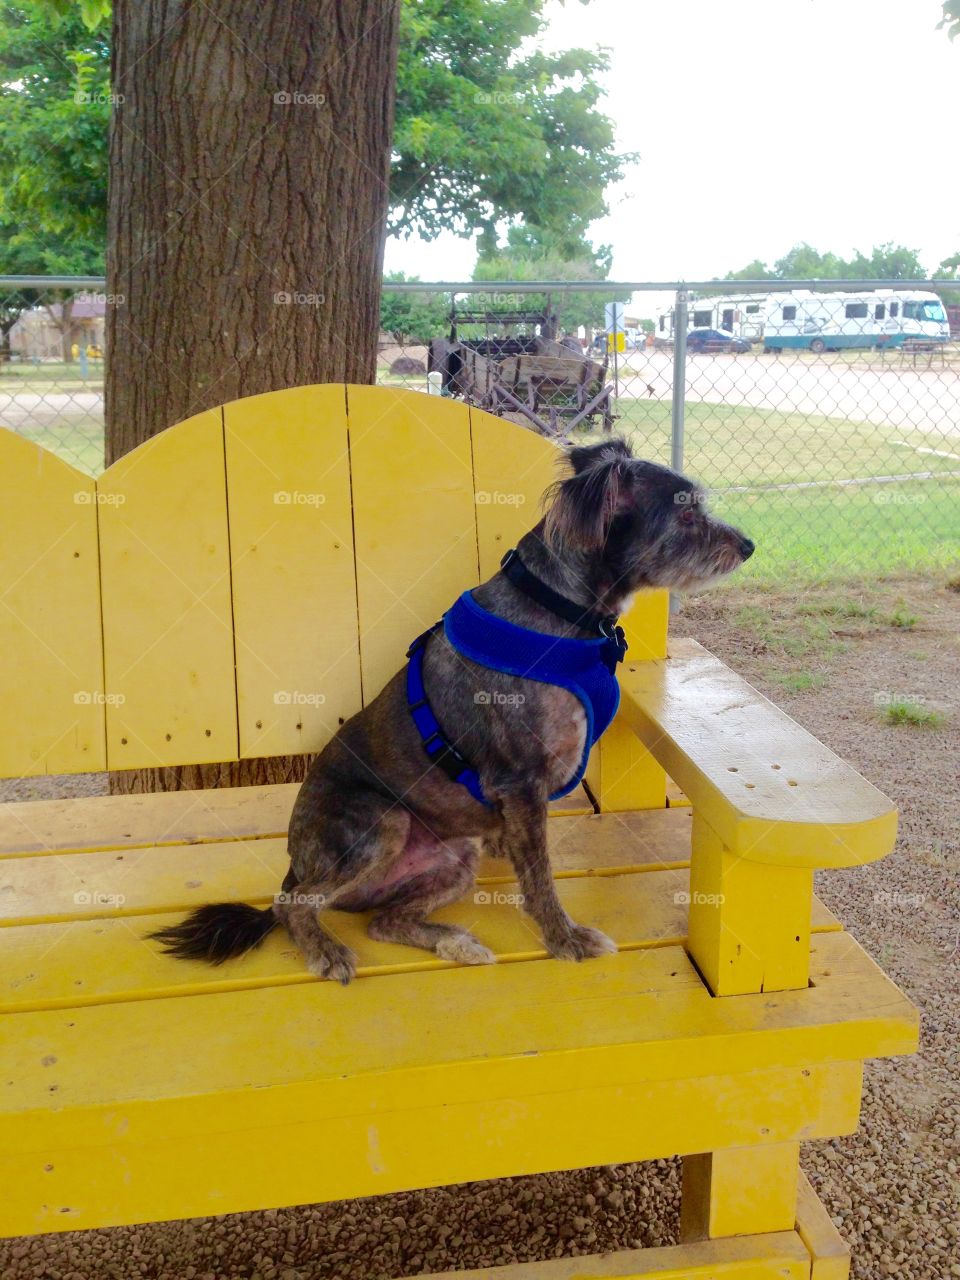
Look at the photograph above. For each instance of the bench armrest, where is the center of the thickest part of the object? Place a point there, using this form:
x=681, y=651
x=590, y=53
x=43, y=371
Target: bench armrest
x=765, y=785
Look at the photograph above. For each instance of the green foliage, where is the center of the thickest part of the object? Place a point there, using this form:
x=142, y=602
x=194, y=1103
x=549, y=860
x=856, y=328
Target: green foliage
x=804, y=262
x=413, y=317
x=531, y=253
x=949, y=269
x=487, y=127
x=906, y=711
x=951, y=18
x=902, y=617
x=54, y=108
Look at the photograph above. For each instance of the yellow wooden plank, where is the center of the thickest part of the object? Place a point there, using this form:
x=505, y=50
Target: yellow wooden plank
x=512, y=467
x=414, y=519
x=829, y=1254
x=739, y=1191
x=134, y=1163
x=167, y=624
x=771, y=791
x=404, y=1040
x=170, y=817
x=115, y=882
x=293, y=582
x=779, y=1256
x=101, y=954
x=49, y=615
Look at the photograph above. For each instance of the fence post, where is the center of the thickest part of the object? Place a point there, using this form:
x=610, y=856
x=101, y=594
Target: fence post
x=678, y=403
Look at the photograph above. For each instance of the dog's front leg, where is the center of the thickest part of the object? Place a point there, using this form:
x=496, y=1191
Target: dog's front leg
x=524, y=840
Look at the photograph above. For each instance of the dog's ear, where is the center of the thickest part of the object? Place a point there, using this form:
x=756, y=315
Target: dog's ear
x=584, y=504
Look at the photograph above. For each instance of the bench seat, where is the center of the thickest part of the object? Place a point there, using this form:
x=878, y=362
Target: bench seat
x=126, y=1073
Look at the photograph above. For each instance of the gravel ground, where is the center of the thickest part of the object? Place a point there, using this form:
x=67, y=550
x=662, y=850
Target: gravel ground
x=833, y=660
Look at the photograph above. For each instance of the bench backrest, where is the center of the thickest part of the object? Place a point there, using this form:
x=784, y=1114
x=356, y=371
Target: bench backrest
x=245, y=581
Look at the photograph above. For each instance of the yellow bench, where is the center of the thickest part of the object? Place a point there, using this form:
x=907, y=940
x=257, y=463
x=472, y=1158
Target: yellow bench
x=234, y=589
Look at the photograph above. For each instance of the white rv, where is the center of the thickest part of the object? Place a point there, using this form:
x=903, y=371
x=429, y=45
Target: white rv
x=834, y=321
x=741, y=315
x=818, y=322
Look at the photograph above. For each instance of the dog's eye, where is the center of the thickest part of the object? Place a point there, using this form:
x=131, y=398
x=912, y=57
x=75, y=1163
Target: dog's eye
x=687, y=515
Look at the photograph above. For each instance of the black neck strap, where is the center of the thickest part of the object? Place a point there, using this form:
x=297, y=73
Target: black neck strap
x=603, y=624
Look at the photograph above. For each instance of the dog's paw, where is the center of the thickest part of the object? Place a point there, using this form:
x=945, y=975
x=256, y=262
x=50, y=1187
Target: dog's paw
x=580, y=942
x=336, y=964
x=465, y=949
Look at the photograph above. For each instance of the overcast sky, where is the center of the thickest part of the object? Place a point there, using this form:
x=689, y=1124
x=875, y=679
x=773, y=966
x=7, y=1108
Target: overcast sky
x=761, y=123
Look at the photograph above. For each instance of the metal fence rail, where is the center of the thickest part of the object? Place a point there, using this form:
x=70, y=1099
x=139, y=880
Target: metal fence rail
x=828, y=427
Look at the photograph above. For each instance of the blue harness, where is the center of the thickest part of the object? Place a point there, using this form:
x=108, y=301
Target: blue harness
x=586, y=668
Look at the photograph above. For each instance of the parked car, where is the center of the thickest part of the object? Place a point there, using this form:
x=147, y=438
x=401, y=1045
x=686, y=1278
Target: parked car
x=715, y=340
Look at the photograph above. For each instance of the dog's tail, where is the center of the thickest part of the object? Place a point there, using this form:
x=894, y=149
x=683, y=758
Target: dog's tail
x=217, y=932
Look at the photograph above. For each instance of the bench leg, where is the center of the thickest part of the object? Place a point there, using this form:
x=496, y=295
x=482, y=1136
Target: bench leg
x=744, y=1191
x=749, y=921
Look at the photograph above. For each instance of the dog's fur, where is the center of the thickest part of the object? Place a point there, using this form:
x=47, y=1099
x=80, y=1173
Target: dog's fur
x=375, y=828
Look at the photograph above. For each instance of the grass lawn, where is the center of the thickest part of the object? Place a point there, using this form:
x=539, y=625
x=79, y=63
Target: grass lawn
x=826, y=531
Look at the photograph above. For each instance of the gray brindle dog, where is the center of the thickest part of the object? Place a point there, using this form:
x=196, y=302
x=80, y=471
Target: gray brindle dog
x=377, y=827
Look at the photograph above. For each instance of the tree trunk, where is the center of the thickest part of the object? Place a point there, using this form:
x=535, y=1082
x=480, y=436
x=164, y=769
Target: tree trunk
x=249, y=165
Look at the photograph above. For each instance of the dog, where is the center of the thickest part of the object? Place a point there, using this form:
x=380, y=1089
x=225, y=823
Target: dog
x=384, y=824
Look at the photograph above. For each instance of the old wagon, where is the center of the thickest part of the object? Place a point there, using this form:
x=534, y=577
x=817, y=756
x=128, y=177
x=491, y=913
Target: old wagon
x=548, y=383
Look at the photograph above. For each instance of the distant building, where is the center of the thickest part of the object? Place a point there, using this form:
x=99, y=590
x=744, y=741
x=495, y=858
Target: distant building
x=48, y=333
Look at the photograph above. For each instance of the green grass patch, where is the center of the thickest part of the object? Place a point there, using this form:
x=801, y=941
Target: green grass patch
x=905, y=711
x=800, y=681
x=902, y=617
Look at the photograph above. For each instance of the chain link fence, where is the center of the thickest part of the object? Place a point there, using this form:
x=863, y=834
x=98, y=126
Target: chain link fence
x=824, y=418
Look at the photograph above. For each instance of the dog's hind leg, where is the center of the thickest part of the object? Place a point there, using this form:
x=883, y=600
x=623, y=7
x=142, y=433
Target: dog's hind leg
x=404, y=920
x=323, y=954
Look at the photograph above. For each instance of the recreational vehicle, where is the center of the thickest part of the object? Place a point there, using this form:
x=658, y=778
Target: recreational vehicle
x=741, y=315
x=835, y=321
x=819, y=321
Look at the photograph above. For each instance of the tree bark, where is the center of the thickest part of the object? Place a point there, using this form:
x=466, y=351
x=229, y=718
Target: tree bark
x=249, y=165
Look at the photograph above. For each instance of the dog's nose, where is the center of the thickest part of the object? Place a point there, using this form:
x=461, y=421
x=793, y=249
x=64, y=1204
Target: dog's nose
x=746, y=548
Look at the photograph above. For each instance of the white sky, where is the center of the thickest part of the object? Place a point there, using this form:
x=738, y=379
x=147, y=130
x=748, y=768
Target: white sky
x=830, y=121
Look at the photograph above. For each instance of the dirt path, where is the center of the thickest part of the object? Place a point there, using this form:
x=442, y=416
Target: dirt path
x=838, y=662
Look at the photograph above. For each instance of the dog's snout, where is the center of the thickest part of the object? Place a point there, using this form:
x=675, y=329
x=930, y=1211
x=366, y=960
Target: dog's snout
x=746, y=547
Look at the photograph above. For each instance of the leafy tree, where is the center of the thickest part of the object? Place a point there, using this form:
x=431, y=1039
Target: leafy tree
x=413, y=317
x=531, y=253
x=803, y=262
x=949, y=269
x=54, y=111
x=486, y=128
x=951, y=18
